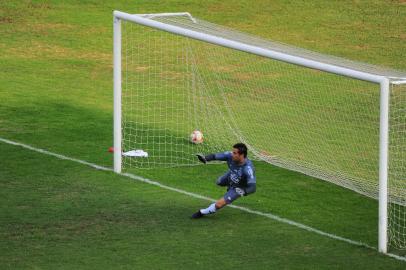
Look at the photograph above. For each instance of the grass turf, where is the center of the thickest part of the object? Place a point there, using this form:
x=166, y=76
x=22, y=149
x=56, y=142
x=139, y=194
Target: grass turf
x=56, y=94
x=66, y=215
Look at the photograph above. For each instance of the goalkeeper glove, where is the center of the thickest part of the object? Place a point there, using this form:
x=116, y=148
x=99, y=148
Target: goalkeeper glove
x=240, y=191
x=202, y=158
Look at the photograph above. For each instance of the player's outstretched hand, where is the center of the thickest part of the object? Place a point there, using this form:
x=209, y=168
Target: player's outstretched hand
x=240, y=191
x=202, y=158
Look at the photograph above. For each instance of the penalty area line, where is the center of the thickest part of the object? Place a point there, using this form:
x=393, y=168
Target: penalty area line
x=194, y=195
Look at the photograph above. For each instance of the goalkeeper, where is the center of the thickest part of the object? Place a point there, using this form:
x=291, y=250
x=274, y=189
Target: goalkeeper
x=239, y=180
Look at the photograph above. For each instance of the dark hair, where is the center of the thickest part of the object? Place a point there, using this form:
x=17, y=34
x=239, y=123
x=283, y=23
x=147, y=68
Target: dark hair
x=242, y=149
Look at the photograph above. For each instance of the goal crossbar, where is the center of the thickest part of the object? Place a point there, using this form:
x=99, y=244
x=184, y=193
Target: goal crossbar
x=153, y=15
x=339, y=70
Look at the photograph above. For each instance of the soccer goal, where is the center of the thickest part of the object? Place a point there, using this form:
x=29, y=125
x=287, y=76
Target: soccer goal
x=327, y=117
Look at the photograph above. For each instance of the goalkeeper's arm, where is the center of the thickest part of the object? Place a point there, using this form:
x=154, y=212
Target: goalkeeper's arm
x=251, y=179
x=251, y=188
x=219, y=156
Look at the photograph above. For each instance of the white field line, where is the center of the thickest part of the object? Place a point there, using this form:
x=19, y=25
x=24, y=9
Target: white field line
x=194, y=195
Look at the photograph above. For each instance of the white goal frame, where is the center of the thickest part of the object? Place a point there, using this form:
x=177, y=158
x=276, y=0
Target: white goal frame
x=383, y=81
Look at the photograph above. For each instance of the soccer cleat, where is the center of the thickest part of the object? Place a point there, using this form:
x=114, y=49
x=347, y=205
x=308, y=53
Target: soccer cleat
x=198, y=214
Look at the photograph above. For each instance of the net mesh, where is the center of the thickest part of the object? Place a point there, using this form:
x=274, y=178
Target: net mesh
x=397, y=166
x=317, y=123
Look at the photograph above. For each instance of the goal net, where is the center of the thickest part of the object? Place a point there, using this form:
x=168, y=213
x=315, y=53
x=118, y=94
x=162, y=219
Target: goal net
x=324, y=124
x=397, y=166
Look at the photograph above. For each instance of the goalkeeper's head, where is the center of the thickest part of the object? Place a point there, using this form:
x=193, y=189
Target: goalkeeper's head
x=239, y=152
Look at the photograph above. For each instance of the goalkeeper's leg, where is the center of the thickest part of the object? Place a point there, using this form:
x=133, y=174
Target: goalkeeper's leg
x=230, y=196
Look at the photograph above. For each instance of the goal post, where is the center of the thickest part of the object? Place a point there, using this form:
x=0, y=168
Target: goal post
x=185, y=73
x=383, y=166
x=117, y=93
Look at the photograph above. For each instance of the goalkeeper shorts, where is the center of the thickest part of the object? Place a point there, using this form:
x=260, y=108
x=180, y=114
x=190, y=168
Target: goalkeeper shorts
x=231, y=196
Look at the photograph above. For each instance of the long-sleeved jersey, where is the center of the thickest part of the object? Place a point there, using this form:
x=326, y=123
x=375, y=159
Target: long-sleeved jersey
x=239, y=175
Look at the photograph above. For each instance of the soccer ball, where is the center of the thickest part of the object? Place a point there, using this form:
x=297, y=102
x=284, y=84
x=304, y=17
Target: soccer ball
x=196, y=137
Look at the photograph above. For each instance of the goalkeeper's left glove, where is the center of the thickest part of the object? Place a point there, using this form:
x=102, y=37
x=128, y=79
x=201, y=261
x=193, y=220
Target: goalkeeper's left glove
x=240, y=191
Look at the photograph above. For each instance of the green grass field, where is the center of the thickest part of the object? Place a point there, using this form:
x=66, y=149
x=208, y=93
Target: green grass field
x=56, y=93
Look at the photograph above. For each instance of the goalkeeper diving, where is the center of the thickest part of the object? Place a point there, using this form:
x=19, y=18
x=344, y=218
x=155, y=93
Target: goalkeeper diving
x=240, y=179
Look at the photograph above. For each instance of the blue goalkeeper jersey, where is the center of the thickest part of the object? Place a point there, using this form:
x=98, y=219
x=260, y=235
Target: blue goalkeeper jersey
x=240, y=176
